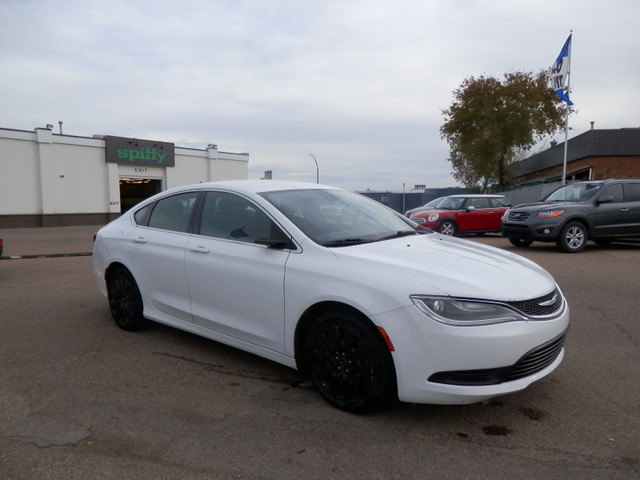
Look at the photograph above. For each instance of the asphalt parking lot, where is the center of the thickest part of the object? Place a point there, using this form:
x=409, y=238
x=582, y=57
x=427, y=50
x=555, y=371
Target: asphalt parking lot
x=82, y=399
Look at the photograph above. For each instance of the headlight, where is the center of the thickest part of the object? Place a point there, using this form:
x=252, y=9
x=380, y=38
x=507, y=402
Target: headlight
x=549, y=213
x=505, y=215
x=433, y=217
x=463, y=312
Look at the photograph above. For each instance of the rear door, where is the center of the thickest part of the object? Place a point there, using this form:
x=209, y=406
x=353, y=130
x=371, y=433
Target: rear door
x=157, y=249
x=611, y=218
x=632, y=198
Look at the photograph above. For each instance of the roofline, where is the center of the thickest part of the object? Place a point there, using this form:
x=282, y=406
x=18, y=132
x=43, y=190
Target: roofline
x=592, y=143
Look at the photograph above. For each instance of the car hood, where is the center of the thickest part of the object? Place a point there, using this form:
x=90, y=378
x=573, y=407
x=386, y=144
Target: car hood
x=443, y=265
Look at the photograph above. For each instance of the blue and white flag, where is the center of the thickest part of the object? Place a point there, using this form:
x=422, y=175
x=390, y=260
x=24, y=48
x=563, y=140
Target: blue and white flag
x=559, y=74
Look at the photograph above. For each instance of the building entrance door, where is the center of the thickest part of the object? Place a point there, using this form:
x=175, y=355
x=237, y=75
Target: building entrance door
x=134, y=190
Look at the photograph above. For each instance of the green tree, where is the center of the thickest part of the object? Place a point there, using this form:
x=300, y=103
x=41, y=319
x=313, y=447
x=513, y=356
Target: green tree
x=490, y=120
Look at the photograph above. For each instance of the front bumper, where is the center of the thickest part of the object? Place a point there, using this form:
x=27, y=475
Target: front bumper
x=542, y=231
x=442, y=364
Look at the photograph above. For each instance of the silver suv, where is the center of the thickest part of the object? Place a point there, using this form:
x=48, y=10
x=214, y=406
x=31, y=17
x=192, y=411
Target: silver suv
x=599, y=210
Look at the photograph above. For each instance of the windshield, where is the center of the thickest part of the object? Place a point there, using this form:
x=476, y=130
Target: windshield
x=340, y=218
x=435, y=202
x=574, y=193
x=451, y=203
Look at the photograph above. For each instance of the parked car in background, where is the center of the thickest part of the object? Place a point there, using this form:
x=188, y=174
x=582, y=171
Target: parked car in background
x=369, y=304
x=427, y=206
x=598, y=210
x=458, y=214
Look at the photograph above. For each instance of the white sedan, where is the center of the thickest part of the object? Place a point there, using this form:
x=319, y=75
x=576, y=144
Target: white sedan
x=370, y=305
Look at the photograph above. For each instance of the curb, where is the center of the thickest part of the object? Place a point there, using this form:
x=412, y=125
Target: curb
x=46, y=255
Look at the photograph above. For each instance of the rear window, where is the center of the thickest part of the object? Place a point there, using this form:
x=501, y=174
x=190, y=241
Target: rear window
x=173, y=213
x=633, y=192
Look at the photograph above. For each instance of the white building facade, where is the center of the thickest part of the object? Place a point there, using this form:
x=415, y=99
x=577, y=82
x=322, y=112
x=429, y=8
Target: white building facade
x=50, y=179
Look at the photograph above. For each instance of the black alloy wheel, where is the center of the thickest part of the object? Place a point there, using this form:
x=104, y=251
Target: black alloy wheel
x=573, y=238
x=125, y=300
x=349, y=363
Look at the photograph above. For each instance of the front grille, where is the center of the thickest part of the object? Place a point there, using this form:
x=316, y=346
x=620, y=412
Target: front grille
x=532, y=362
x=517, y=216
x=537, y=359
x=540, y=307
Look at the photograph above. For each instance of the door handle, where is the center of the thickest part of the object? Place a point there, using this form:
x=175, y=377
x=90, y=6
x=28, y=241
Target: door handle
x=140, y=240
x=624, y=209
x=199, y=249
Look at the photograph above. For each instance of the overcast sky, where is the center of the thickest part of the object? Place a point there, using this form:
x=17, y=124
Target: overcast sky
x=360, y=84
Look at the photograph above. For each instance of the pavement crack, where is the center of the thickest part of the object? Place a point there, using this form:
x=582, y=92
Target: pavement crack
x=224, y=370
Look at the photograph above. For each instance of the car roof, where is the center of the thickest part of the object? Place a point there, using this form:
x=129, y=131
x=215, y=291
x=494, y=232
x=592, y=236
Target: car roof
x=243, y=187
x=604, y=181
x=252, y=186
x=476, y=195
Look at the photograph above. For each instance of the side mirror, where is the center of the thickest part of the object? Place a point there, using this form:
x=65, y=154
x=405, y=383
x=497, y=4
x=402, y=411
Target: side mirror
x=470, y=208
x=278, y=240
x=276, y=244
x=605, y=199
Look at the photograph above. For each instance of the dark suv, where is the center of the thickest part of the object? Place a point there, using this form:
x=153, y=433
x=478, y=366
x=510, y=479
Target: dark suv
x=592, y=210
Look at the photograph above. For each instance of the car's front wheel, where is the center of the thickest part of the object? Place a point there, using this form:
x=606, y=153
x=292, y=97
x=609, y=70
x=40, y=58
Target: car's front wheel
x=573, y=238
x=448, y=227
x=125, y=300
x=520, y=242
x=349, y=363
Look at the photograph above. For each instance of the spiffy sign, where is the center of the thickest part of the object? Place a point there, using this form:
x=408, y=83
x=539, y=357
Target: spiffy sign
x=149, y=154
x=133, y=151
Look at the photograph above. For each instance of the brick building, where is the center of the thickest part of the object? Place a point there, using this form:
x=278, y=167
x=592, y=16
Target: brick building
x=594, y=154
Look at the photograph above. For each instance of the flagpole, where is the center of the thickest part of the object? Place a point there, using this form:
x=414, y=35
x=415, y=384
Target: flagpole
x=566, y=134
x=566, y=120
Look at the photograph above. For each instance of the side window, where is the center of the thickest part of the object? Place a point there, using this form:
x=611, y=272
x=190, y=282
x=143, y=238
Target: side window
x=173, y=213
x=614, y=191
x=633, y=192
x=478, y=202
x=225, y=215
x=142, y=216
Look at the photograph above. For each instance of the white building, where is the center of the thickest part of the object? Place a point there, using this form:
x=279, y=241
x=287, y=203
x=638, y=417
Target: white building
x=50, y=179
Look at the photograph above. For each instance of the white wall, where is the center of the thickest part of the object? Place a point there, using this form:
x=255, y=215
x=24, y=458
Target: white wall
x=43, y=173
x=19, y=173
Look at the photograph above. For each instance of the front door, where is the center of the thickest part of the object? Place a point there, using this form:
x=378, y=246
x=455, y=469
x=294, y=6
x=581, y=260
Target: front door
x=236, y=285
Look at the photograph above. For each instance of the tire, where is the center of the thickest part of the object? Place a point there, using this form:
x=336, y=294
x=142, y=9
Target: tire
x=448, y=227
x=125, y=301
x=520, y=242
x=349, y=363
x=573, y=238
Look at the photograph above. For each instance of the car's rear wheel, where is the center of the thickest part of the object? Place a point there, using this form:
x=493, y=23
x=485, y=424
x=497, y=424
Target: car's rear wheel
x=448, y=227
x=349, y=363
x=520, y=242
x=125, y=301
x=573, y=238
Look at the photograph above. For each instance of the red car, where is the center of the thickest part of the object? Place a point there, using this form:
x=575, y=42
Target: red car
x=464, y=214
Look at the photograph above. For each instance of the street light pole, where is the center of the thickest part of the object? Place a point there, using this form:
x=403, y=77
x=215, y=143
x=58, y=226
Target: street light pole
x=317, y=169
